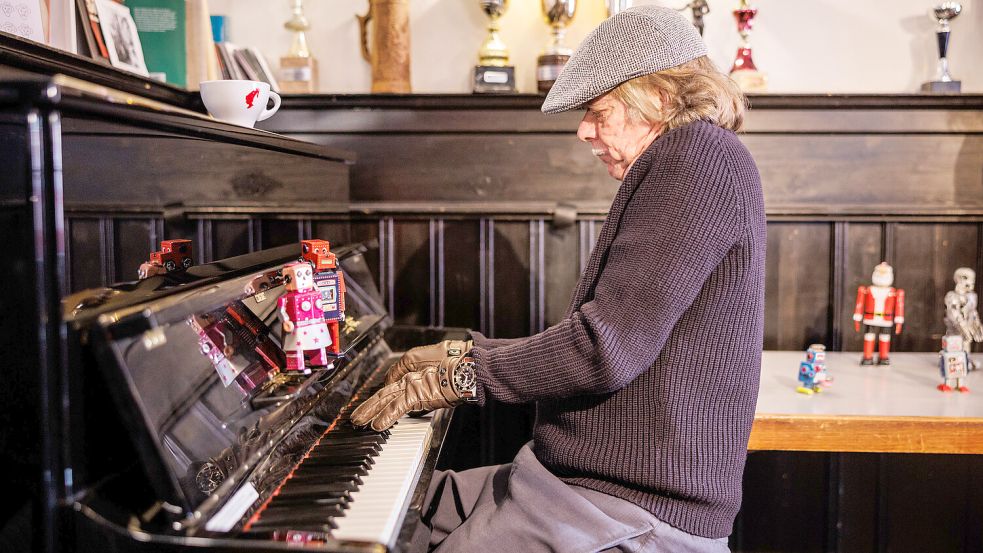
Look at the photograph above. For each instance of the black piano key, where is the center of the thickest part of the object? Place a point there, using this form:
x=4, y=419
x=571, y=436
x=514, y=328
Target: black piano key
x=263, y=526
x=339, y=457
x=318, y=499
x=307, y=514
x=314, y=489
x=330, y=473
x=348, y=449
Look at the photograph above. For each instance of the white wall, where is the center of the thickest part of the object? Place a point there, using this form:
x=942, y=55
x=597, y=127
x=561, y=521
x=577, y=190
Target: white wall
x=804, y=46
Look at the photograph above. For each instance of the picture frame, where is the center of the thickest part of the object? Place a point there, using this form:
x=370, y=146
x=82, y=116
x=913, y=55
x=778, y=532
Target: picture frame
x=90, y=31
x=119, y=32
x=25, y=19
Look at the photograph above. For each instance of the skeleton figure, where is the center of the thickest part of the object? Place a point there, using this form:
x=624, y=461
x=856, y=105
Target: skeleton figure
x=961, y=316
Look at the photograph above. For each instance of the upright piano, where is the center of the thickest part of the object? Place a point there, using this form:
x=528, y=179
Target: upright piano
x=197, y=436
x=117, y=432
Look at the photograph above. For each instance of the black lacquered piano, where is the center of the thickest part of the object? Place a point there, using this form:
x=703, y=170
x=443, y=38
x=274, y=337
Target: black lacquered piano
x=190, y=435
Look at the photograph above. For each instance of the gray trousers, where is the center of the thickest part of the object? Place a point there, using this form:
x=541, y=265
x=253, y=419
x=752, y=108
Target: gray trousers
x=522, y=508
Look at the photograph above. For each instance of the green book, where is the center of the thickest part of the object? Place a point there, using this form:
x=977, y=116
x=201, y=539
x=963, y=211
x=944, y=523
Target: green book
x=163, y=36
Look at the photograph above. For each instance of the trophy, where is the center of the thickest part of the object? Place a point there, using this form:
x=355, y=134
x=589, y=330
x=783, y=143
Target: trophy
x=493, y=74
x=943, y=13
x=558, y=14
x=744, y=73
x=617, y=6
x=298, y=69
x=699, y=8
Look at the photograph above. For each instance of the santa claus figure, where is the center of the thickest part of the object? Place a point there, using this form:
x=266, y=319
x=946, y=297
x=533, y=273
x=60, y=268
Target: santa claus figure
x=880, y=308
x=302, y=318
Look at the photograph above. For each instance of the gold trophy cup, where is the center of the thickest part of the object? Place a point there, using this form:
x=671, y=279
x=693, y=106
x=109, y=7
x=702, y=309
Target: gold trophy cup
x=493, y=74
x=558, y=15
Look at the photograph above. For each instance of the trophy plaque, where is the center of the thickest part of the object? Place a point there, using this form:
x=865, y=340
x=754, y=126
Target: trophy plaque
x=493, y=74
x=558, y=14
x=298, y=69
x=943, y=83
x=744, y=73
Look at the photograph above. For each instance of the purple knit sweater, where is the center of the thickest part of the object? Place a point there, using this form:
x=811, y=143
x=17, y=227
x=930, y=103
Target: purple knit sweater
x=646, y=389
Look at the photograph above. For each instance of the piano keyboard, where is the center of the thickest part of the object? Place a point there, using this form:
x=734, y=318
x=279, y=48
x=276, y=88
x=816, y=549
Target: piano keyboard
x=353, y=485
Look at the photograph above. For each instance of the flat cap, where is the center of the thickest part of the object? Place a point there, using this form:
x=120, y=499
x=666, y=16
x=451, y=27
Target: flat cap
x=632, y=43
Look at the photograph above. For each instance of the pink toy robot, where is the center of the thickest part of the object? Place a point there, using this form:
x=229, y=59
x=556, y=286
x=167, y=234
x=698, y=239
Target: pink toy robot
x=302, y=318
x=879, y=307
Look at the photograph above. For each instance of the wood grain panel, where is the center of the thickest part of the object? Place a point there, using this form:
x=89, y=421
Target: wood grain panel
x=412, y=272
x=182, y=170
x=797, y=285
x=466, y=167
x=784, y=507
x=132, y=245
x=335, y=231
x=367, y=231
x=863, y=244
x=925, y=257
x=85, y=244
x=865, y=172
x=461, y=278
x=856, y=502
x=278, y=232
x=924, y=501
x=562, y=247
x=512, y=301
x=230, y=237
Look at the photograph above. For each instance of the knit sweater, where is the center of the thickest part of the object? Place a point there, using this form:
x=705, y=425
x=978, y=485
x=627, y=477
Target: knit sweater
x=647, y=387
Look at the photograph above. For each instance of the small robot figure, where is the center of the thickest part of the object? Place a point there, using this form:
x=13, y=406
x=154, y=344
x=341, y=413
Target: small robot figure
x=953, y=363
x=880, y=307
x=173, y=255
x=330, y=281
x=961, y=316
x=302, y=319
x=812, y=371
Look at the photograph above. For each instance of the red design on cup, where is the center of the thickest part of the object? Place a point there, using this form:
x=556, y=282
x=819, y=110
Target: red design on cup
x=251, y=97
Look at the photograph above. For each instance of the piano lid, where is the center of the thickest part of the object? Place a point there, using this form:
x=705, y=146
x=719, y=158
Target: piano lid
x=195, y=364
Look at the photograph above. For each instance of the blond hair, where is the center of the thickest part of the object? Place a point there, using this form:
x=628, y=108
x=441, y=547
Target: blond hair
x=693, y=91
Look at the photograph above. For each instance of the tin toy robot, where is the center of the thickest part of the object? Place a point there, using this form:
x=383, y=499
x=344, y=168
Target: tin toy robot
x=880, y=308
x=812, y=371
x=961, y=315
x=173, y=255
x=330, y=281
x=953, y=363
x=302, y=319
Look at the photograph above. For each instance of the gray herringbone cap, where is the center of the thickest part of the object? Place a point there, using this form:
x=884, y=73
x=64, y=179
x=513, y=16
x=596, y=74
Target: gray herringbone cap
x=635, y=42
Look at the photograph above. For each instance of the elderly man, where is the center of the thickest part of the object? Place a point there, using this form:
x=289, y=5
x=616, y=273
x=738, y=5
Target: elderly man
x=645, y=391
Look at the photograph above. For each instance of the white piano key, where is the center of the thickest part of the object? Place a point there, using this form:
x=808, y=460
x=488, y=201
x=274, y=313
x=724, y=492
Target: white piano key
x=377, y=508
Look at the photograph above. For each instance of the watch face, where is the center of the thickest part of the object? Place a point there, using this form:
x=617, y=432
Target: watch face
x=464, y=378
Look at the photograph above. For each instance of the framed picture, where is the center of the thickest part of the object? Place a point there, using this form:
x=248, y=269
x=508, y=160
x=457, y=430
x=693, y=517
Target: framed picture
x=90, y=31
x=120, y=34
x=24, y=18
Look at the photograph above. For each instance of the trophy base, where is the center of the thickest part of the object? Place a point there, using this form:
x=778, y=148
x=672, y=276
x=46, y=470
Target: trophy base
x=942, y=87
x=298, y=75
x=548, y=67
x=491, y=79
x=750, y=80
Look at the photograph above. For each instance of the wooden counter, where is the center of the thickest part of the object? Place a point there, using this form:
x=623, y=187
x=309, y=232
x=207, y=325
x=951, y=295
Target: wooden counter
x=872, y=409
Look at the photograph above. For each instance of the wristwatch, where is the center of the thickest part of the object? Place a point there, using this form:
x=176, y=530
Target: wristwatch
x=465, y=381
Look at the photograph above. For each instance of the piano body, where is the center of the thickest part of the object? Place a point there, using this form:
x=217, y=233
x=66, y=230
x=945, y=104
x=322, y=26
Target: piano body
x=181, y=456
x=119, y=433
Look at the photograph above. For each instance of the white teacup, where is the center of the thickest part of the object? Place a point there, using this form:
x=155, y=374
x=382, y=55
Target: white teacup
x=239, y=102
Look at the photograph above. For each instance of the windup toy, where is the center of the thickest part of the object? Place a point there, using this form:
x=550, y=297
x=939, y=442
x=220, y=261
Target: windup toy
x=879, y=307
x=953, y=363
x=812, y=371
x=302, y=319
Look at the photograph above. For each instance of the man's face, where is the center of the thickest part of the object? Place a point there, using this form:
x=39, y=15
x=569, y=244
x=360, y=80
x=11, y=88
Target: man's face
x=614, y=137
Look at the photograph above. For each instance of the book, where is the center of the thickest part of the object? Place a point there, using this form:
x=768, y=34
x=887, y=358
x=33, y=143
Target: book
x=162, y=30
x=92, y=27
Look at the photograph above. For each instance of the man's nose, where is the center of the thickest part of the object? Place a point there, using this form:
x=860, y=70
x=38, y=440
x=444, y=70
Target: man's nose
x=586, y=130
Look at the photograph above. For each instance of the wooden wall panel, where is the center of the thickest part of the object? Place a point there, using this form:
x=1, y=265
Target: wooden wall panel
x=412, y=272
x=797, y=285
x=277, y=232
x=230, y=237
x=856, y=503
x=864, y=250
x=461, y=278
x=562, y=267
x=512, y=312
x=925, y=257
x=335, y=231
x=133, y=240
x=85, y=252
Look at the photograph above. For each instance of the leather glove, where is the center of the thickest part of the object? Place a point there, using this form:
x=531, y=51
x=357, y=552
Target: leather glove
x=422, y=380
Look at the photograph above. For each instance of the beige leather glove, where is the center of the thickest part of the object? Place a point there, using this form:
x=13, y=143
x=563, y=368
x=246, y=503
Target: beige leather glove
x=422, y=380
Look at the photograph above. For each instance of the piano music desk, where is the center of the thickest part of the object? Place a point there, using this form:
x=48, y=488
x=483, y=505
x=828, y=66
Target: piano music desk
x=872, y=409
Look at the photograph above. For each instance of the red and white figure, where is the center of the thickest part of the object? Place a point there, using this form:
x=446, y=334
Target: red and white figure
x=330, y=281
x=239, y=102
x=880, y=308
x=302, y=319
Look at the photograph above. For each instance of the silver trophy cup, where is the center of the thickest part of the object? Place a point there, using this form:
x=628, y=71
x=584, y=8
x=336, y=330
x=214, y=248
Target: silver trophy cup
x=943, y=83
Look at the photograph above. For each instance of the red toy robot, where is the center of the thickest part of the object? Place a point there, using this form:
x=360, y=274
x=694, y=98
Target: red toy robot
x=330, y=281
x=879, y=307
x=173, y=254
x=302, y=318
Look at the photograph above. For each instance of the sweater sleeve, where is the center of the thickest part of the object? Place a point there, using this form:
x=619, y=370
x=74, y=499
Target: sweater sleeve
x=681, y=222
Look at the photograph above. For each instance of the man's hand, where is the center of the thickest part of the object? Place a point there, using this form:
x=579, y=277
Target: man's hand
x=422, y=380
